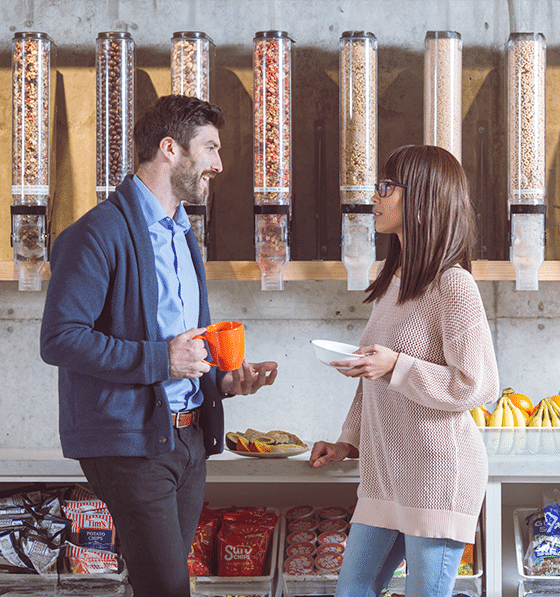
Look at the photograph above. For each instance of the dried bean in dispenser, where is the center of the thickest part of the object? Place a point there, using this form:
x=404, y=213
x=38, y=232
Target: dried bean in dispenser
x=114, y=110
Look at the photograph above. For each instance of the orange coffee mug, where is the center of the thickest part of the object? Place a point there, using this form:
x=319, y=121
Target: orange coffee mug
x=226, y=341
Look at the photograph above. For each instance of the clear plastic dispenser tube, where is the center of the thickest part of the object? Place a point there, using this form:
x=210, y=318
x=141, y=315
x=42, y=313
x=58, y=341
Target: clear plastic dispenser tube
x=114, y=65
x=32, y=127
x=192, y=53
x=191, y=56
x=443, y=90
x=526, y=155
x=272, y=155
x=358, y=153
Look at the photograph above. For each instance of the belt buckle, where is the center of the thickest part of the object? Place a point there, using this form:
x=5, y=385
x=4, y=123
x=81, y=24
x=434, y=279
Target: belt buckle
x=193, y=414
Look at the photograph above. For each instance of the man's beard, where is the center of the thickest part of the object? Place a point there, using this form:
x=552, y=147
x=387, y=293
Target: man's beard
x=186, y=185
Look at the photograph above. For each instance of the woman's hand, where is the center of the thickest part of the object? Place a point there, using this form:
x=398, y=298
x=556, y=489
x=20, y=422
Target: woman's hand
x=376, y=362
x=249, y=378
x=324, y=452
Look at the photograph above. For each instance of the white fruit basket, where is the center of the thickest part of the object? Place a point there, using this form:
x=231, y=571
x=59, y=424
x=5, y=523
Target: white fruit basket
x=531, y=584
x=521, y=441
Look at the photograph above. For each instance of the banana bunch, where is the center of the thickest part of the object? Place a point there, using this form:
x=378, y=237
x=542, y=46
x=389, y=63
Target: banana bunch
x=546, y=415
x=506, y=414
x=480, y=416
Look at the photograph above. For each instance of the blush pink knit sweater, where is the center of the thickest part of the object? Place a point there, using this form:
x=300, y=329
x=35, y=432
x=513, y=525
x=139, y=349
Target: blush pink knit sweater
x=423, y=465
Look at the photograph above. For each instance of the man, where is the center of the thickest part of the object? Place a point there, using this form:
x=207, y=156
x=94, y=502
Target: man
x=139, y=407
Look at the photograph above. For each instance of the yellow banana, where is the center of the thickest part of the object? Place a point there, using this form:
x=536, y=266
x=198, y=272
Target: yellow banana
x=554, y=410
x=546, y=417
x=535, y=420
x=507, y=392
x=497, y=417
x=508, y=420
x=518, y=416
x=478, y=416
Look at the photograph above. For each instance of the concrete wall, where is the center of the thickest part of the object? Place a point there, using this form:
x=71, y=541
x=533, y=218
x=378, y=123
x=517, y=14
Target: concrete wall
x=308, y=398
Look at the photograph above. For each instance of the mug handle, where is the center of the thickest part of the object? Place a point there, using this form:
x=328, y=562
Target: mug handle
x=203, y=337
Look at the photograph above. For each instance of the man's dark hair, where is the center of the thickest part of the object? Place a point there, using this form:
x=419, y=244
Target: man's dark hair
x=175, y=116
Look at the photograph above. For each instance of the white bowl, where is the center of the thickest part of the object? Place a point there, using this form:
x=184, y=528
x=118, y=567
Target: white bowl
x=327, y=351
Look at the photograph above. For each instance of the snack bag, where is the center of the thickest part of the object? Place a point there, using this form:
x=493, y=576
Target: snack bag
x=243, y=543
x=542, y=557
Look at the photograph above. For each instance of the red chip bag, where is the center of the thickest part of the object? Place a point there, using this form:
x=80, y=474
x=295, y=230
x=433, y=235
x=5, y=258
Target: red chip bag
x=200, y=559
x=243, y=547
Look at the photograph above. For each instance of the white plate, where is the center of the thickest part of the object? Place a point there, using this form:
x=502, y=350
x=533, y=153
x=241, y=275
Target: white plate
x=274, y=454
x=328, y=350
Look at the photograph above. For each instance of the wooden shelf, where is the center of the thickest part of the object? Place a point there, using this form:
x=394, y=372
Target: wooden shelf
x=320, y=270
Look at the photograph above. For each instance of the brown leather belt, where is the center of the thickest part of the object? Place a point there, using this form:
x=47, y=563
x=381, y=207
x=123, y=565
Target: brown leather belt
x=185, y=418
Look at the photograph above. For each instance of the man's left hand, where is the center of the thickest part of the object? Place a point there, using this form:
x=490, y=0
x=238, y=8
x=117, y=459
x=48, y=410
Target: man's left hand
x=249, y=378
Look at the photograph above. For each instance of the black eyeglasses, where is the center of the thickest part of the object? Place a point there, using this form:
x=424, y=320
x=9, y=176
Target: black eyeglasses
x=385, y=188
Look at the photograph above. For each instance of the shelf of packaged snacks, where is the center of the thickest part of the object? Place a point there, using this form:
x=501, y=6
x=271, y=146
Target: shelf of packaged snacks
x=320, y=270
x=515, y=456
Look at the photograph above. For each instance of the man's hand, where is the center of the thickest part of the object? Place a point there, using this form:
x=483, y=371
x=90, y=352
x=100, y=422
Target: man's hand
x=249, y=378
x=324, y=452
x=186, y=355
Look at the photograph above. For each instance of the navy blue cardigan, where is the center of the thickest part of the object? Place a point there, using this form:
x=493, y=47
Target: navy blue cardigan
x=100, y=329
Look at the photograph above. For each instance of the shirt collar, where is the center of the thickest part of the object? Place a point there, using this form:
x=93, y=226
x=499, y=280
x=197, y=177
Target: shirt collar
x=153, y=210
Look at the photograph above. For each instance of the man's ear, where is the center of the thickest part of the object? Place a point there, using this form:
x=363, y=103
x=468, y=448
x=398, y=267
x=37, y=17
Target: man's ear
x=169, y=148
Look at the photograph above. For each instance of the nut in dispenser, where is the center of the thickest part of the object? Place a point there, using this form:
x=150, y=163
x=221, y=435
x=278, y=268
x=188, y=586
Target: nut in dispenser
x=358, y=153
x=526, y=155
x=272, y=153
x=32, y=126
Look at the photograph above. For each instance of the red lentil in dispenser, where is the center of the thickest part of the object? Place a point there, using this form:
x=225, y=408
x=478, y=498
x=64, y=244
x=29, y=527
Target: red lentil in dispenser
x=31, y=137
x=527, y=155
x=358, y=153
x=272, y=159
x=443, y=89
x=114, y=64
x=191, y=55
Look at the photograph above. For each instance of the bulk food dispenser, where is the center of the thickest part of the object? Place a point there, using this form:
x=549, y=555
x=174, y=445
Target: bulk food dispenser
x=114, y=65
x=358, y=153
x=526, y=155
x=272, y=167
x=442, y=90
x=191, y=55
x=32, y=126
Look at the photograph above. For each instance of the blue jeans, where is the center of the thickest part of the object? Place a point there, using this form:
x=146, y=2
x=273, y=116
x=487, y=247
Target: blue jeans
x=372, y=554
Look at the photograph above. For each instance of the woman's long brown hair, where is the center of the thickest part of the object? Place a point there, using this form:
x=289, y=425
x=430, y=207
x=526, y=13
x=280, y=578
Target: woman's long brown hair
x=438, y=222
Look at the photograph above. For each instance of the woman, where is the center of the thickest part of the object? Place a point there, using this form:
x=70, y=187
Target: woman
x=428, y=359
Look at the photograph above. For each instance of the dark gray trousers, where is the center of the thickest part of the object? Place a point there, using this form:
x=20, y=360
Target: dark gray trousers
x=155, y=504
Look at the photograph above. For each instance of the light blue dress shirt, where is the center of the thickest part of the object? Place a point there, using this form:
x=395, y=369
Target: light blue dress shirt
x=178, y=296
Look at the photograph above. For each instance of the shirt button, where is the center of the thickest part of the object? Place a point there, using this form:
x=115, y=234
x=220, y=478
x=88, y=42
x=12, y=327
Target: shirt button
x=163, y=440
x=159, y=403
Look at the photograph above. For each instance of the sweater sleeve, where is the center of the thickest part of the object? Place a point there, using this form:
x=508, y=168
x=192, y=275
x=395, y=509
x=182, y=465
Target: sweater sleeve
x=468, y=377
x=92, y=321
x=351, y=428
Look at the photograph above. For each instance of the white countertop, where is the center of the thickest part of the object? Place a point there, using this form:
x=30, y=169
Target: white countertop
x=512, y=454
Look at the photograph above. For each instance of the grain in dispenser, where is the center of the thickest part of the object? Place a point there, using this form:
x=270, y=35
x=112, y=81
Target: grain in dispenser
x=191, y=55
x=443, y=90
x=358, y=153
x=114, y=64
x=272, y=155
x=526, y=155
x=32, y=131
